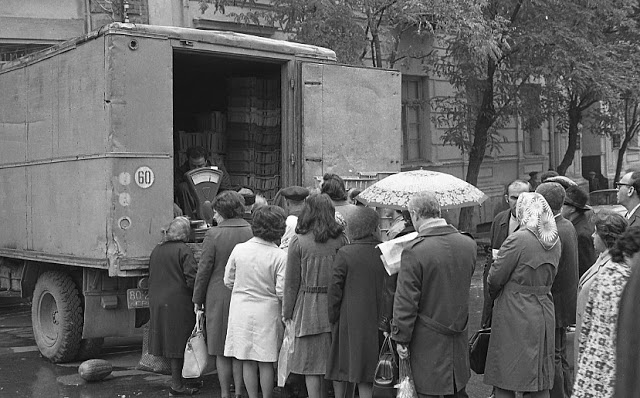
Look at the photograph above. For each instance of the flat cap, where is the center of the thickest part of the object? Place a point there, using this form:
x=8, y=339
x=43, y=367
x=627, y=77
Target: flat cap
x=295, y=192
x=554, y=194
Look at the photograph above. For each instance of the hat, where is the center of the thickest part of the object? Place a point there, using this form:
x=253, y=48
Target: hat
x=577, y=198
x=554, y=194
x=248, y=195
x=533, y=174
x=295, y=192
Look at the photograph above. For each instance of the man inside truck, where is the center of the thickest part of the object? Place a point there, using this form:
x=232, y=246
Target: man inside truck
x=183, y=196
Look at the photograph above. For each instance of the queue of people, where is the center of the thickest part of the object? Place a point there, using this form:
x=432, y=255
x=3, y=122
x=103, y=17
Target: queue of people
x=314, y=267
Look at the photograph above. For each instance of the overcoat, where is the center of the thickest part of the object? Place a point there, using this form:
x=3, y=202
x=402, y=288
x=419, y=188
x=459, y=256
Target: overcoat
x=633, y=219
x=565, y=284
x=172, y=270
x=431, y=308
x=307, y=278
x=521, y=348
x=355, y=306
x=209, y=287
x=627, y=382
x=586, y=252
x=498, y=233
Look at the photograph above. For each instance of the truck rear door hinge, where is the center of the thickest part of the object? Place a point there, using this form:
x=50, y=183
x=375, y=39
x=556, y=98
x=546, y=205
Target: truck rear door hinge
x=292, y=83
x=292, y=159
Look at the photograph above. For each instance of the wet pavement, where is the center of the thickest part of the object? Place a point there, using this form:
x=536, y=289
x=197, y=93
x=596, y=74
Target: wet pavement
x=24, y=373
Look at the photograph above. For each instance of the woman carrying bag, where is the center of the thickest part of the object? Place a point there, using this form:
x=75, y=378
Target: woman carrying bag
x=172, y=271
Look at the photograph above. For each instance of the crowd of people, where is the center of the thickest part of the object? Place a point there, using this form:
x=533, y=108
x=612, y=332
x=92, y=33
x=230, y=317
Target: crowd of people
x=309, y=266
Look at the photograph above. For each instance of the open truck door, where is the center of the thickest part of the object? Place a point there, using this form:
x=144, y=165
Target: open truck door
x=350, y=121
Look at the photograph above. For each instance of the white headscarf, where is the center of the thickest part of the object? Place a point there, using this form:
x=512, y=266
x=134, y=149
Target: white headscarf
x=533, y=213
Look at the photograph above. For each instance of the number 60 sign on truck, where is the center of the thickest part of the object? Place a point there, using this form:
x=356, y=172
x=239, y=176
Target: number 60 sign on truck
x=91, y=132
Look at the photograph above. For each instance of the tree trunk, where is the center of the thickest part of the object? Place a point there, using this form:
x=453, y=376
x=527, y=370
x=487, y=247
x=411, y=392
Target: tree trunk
x=575, y=116
x=486, y=118
x=621, y=151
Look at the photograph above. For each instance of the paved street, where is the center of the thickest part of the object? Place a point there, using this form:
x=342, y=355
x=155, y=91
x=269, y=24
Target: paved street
x=23, y=373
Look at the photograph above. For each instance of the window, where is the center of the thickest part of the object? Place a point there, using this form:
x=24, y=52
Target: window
x=414, y=119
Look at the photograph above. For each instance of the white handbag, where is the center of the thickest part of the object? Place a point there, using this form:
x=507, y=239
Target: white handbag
x=195, y=353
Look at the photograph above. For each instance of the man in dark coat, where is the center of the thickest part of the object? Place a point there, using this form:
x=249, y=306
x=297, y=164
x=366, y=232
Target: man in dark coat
x=576, y=210
x=183, y=197
x=628, y=196
x=503, y=224
x=431, y=305
x=564, y=289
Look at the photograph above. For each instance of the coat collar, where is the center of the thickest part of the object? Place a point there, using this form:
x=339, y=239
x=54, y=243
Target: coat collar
x=234, y=222
x=366, y=240
x=438, y=231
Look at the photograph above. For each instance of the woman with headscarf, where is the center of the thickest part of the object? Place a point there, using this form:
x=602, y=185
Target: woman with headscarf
x=521, y=348
x=172, y=271
x=596, y=376
x=355, y=306
x=307, y=277
x=209, y=290
x=608, y=227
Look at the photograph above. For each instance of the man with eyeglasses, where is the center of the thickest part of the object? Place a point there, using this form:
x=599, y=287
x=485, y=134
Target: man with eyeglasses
x=628, y=196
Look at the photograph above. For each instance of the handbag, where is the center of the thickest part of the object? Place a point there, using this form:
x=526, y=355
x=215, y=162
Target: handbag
x=478, y=346
x=195, y=353
x=385, y=377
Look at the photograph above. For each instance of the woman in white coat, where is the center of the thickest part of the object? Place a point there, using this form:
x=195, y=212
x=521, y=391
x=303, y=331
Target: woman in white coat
x=255, y=274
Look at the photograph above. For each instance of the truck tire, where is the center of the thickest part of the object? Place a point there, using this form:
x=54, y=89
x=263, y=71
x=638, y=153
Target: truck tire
x=56, y=315
x=90, y=348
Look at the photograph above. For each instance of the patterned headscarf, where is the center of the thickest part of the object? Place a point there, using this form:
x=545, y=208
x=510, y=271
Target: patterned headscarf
x=533, y=213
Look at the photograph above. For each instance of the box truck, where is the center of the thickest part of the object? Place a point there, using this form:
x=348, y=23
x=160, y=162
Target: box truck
x=92, y=129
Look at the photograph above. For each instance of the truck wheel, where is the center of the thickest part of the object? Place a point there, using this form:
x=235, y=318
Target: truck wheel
x=56, y=315
x=90, y=348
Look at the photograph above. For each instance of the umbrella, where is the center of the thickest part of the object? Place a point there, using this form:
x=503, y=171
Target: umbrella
x=396, y=190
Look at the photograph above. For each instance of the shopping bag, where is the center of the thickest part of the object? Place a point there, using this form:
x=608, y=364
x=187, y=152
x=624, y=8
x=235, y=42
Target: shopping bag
x=478, y=346
x=406, y=387
x=385, y=377
x=285, y=353
x=152, y=363
x=195, y=353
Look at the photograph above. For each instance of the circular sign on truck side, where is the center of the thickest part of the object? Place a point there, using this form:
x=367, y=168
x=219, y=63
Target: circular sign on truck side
x=144, y=177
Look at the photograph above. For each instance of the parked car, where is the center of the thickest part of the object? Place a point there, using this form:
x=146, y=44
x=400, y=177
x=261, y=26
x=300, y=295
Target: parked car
x=606, y=199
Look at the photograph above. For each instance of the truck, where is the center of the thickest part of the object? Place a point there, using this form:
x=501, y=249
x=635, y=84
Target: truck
x=92, y=129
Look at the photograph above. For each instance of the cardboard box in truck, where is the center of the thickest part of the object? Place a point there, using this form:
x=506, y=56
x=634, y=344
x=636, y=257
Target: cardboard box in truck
x=92, y=130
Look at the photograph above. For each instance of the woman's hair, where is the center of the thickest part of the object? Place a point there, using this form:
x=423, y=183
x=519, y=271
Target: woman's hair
x=318, y=217
x=363, y=223
x=333, y=185
x=178, y=230
x=268, y=223
x=229, y=204
x=627, y=245
x=609, y=226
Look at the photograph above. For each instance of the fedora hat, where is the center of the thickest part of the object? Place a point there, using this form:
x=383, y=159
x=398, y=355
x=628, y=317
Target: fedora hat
x=577, y=198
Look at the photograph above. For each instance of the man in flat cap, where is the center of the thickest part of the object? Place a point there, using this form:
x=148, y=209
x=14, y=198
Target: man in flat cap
x=576, y=210
x=294, y=199
x=564, y=289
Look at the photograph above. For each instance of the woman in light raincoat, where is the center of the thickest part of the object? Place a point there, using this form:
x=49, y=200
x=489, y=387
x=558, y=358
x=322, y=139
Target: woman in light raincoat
x=521, y=348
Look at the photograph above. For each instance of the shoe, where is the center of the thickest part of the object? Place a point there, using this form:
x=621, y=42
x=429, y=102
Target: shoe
x=182, y=392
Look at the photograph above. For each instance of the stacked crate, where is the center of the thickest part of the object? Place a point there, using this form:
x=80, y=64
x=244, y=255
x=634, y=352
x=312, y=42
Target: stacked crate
x=254, y=134
x=210, y=135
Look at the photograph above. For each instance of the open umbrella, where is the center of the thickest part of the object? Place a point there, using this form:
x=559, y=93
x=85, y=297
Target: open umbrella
x=396, y=190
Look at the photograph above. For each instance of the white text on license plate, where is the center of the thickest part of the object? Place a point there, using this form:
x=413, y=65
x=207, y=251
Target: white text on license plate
x=137, y=298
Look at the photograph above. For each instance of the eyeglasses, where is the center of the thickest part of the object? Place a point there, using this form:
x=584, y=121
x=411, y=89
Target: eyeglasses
x=620, y=184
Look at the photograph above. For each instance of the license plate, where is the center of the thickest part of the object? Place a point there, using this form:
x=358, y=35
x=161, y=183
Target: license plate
x=137, y=298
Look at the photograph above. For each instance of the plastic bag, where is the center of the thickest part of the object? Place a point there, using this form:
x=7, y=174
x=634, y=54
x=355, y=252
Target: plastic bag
x=406, y=387
x=285, y=353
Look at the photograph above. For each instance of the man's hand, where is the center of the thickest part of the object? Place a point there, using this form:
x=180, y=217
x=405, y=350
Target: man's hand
x=403, y=351
x=198, y=307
